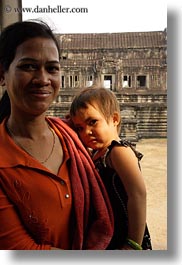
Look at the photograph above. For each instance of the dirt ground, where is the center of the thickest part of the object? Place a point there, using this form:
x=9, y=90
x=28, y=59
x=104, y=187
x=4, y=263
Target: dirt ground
x=154, y=168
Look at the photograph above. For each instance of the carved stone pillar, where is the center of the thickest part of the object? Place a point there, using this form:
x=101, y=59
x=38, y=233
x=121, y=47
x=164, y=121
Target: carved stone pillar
x=10, y=12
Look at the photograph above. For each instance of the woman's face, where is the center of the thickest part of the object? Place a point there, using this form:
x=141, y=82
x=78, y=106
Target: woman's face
x=33, y=78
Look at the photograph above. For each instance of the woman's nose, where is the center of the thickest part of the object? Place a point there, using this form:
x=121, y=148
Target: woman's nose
x=41, y=78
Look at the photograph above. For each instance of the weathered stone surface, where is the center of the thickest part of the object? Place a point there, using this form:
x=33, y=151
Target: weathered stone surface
x=133, y=65
x=143, y=115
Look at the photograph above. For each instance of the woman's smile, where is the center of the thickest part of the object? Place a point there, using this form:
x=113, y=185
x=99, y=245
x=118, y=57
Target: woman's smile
x=40, y=94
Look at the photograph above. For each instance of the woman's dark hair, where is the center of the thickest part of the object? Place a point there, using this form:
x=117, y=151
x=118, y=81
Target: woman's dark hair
x=15, y=34
x=5, y=107
x=10, y=38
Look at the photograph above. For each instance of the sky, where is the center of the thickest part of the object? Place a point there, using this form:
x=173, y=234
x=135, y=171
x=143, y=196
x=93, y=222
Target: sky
x=101, y=16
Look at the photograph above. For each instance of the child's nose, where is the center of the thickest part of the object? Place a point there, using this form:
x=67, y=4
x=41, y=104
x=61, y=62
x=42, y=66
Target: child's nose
x=88, y=131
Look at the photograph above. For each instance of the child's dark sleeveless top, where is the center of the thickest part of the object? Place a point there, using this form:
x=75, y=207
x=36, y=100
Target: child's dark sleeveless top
x=118, y=195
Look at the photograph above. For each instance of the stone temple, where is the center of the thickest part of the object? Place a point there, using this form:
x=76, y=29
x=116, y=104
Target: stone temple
x=132, y=64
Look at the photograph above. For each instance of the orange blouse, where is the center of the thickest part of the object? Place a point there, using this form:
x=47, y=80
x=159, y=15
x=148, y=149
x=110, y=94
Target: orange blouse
x=35, y=204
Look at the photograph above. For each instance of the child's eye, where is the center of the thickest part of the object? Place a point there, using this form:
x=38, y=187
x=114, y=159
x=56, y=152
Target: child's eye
x=92, y=122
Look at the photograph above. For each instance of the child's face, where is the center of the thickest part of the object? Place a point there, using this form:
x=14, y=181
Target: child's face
x=93, y=129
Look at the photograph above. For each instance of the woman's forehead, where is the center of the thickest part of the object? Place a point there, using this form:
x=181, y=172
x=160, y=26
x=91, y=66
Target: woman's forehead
x=37, y=47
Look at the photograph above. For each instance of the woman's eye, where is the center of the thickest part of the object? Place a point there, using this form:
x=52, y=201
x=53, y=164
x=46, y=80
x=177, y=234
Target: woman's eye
x=53, y=69
x=28, y=67
x=33, y=67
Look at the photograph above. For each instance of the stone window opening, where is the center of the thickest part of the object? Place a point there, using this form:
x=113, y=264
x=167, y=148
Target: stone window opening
x=62, y=81
x=141, y=81
x=76, y=83
x=71, y=81
x=108, y=81
x=89, y=81
x=126, y=81
x=89, y=78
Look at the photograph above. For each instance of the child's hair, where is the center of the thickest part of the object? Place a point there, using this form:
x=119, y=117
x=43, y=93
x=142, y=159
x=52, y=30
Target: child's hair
x=105, y=100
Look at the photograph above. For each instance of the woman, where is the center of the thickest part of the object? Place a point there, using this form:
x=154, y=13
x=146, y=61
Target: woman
x=51, y=197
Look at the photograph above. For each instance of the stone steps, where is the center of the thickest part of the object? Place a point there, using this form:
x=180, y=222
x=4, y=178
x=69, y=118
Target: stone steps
x=143, y=115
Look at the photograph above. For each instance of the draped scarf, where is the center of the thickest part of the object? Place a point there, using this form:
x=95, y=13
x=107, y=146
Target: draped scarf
x=94, y=223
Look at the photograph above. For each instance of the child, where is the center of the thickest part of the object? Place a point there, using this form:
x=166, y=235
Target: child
x=95, y=114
